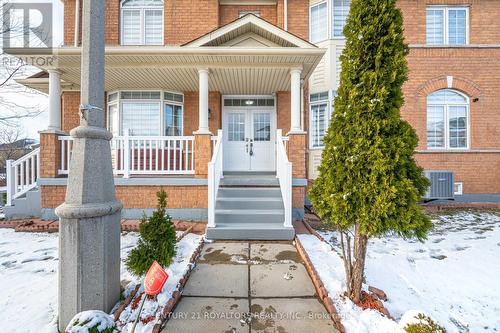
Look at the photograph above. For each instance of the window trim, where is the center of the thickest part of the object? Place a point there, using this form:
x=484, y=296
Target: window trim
x=446, y=9
x=446, y=121
x=142, y=10
x=327, y=2
x=161, y=102
x=329, y=112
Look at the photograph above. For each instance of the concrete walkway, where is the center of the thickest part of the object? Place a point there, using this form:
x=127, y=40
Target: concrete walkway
x=249, y=287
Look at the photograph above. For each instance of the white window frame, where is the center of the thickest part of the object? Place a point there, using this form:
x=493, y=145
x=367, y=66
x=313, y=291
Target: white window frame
x=327, y=20
x=330, y=23
x=447, y=121
x=161, y=102
x=142, y=10
x=329, y=112
x=445, y=10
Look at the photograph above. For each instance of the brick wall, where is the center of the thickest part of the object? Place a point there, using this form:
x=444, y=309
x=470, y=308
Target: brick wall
x=186, y=20
x=298, y=18
x=70, y=105
x=139, y=196
x=191, y=111
x=229, y=13
x=112, y=22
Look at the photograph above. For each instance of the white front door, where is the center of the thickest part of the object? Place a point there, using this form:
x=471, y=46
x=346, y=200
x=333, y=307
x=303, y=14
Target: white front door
x=249, y=139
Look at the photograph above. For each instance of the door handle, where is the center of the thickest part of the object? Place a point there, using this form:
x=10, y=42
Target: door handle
x=251, y=147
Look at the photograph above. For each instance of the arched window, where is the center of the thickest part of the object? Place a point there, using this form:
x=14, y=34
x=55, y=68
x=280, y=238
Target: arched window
x=447, y=120
x=142, y=22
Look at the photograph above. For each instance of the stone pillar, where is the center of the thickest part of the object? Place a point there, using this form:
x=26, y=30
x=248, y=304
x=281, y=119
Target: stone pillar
x=203, y=102
x=295, y=126
x=54, y=100
x=202, y=154
x=89, y=225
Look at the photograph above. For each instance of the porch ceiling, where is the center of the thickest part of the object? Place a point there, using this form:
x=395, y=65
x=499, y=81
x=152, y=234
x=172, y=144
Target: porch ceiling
x=232, y=70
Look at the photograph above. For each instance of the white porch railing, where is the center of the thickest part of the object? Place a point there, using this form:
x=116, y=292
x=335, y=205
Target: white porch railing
x=22, y=175
x=143, y=155
x=215, y=173
x=284, y=175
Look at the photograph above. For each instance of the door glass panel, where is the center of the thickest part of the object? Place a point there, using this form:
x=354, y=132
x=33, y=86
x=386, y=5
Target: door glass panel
x=261, y=127
x=236, y=127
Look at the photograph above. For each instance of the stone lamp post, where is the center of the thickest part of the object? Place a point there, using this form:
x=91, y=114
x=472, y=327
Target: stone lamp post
x=89, y=219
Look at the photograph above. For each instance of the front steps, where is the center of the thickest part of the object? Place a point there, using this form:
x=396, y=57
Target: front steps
x=27, y=206
x=250, y=208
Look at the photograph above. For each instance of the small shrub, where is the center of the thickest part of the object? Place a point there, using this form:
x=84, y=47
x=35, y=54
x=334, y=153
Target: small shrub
x=156, y=241
x=92, y=322
x=424, y=324
x=3, y=199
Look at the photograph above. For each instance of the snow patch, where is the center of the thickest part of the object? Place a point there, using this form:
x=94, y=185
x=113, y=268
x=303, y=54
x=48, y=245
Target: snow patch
x=84, y=321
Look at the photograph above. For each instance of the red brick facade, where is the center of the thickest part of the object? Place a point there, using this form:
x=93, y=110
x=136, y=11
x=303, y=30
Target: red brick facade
x=474, y=69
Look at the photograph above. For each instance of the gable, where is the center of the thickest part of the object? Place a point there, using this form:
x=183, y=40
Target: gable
x=250, y=31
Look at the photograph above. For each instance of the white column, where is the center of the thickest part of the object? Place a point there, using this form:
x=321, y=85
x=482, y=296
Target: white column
x=295, y=100
x=54, y=100
x=203, y=103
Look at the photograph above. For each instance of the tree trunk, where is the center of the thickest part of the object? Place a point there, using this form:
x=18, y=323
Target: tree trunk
x=360, y=243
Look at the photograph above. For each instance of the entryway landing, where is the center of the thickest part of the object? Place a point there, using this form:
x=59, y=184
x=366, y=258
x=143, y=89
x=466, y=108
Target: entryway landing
x=249, y=179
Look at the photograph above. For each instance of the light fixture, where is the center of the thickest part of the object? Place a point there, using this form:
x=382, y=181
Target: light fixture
x=249, y=102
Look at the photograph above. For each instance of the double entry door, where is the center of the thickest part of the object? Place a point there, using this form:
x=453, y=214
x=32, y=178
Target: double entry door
x=249, y=139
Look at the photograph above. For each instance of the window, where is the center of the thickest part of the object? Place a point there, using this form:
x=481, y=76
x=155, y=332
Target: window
x=319, y=22
x=142, y=22
x=339, y=16
x=447, y=120
x=319, y=116
x=145, y=113
x=447, y=25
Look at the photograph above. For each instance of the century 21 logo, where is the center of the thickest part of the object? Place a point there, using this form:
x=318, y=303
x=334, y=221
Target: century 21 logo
x=27, y=25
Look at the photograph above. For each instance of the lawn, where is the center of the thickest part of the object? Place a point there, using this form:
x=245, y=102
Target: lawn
x=452, y=276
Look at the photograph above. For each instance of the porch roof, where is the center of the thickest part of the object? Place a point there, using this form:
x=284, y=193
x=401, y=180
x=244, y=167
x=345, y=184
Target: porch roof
x=232, y=70
x=246, y=56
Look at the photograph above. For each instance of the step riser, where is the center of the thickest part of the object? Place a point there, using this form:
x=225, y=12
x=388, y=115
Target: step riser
x=244, y=218
x=251, y=234
x=249, y=204
x=249, y=192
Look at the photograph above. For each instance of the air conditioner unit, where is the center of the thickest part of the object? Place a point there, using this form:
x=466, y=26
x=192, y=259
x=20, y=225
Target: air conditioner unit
x=442, y=185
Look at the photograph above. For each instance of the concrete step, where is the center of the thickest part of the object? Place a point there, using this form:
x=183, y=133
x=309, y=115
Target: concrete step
x=249, y=215
x=260, y=231
x=250, y=181
x=246, y=192
x=249, y=203
x=28, y=206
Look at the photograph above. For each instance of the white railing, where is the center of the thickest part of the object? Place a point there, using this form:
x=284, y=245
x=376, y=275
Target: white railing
x=215, y=173
x=22, y=175
x=143, y=155
x=284, y=175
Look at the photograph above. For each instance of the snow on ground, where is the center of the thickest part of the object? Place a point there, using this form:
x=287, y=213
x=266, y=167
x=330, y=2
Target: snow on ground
x=452, y=277
x=28, y=276
x=153, y=308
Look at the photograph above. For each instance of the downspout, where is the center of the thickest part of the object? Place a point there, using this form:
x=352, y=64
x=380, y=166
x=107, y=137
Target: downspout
x=285, y=19
x=77, y=23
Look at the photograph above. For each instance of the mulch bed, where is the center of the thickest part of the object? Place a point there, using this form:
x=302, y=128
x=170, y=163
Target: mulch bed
x=39, y=225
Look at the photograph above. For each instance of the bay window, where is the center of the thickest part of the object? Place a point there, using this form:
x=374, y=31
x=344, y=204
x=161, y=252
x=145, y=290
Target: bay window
x=447, y=25
x=319, y=117
x=339, y=16
x=447, y=120
x=145, y=113
x=318, y=22
x=323, y=25
x=142, y=22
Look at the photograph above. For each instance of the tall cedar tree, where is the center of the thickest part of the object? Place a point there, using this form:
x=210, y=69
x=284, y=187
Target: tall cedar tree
x=156, y=242
x=369, y=184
